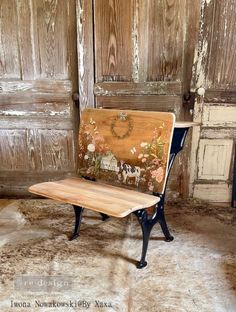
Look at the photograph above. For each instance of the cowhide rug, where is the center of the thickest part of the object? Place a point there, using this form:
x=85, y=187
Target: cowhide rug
x=195, y=273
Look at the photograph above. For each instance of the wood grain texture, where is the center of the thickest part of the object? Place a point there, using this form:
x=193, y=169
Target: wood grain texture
x=57, y=150
x=50, y=150
x=38, y=71
x=114, y=201
x=113, y=26
x=191, y=31
x=36, y=86
x=221, y=57
x=147, y=103
x=9, y=57
x=36, y=150
x=85, y=50
x=36, y=104
x=25, y=36
x=161, y=27
x=221, y=95
x=213, y=70
x=13, y=150
x=129, y=88
x=51, y=17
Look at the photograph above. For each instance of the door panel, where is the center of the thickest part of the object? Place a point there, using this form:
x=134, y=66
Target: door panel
x=140, y=43
x=214, y=159
x=212, y=149
x=113, y=32
x=38, y=74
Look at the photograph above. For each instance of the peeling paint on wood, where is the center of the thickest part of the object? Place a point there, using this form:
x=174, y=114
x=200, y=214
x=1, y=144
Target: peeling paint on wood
x=211, y=157
x=135, y=41
x=85, y=53
x=216, y=193
x=36, y=86
x=129, y=88
x=37, y=71
x=150, y=102
x=219, y=115
x=214, y=159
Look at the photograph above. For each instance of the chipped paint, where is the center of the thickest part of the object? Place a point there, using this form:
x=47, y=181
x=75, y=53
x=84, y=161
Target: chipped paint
x=206, y=142
x=135, y=41
x=13, y=113
x=31, y=113
x=81, y=54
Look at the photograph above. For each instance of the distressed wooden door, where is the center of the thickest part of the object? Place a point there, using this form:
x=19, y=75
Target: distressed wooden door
x=214, y=68
x=138, y=54
x=38, y=73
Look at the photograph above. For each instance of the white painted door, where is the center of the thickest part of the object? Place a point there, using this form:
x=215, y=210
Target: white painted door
x=214, y=72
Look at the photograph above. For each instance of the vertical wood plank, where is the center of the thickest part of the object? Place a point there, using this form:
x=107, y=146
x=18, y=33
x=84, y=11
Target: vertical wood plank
x=190, y=40
x=113, y=28
x=161, y=39
x=57, y=150
x=71, y=34
x=13, y=150
x=25, y=27
x=85, y=53
x=135, y=42
x=222, y=57
x=51, y=21
x=34, y=150
x=9, y=50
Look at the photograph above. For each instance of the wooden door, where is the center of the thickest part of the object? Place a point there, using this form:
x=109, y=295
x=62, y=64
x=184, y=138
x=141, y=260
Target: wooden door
x=214, y=68
x=38, y=72
x=138, y=54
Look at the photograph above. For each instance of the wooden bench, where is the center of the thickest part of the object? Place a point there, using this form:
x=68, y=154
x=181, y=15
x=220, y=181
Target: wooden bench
x=124, y=161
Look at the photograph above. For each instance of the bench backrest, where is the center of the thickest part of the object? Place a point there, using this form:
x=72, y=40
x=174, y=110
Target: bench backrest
x=126, y=148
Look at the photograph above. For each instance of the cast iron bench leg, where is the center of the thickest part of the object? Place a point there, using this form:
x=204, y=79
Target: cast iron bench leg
x=104, y=216
x=162, y=221
x=78, y=216
x=147, y=223
x=146, y=226
x=160, y=218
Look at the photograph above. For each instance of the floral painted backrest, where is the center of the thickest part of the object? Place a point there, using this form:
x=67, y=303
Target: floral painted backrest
x=124, y=147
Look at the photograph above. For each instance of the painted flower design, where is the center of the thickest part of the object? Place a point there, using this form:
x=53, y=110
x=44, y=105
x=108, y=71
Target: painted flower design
x=158, y=174
x=150, y=186
x=146, y=170
x=155, y=161
x=143, y=144
x=133, y=150
x=91, y=148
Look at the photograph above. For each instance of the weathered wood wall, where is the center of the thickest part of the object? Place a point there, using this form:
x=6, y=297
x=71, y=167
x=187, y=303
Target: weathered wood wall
x=214, y=70
x=38, y=72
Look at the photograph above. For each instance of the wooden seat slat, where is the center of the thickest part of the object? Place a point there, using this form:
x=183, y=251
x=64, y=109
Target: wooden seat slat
x=95, y=196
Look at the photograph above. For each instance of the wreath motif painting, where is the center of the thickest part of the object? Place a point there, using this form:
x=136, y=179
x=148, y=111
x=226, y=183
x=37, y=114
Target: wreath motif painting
x=97, y=161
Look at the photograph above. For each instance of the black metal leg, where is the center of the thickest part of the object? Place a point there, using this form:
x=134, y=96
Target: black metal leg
x=146, y=226
x=162, y=221
x=104, y=216
x=78, y=216
x=160, y=217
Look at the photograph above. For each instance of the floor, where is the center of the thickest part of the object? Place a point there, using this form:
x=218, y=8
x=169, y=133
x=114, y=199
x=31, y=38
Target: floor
x=42, y=271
